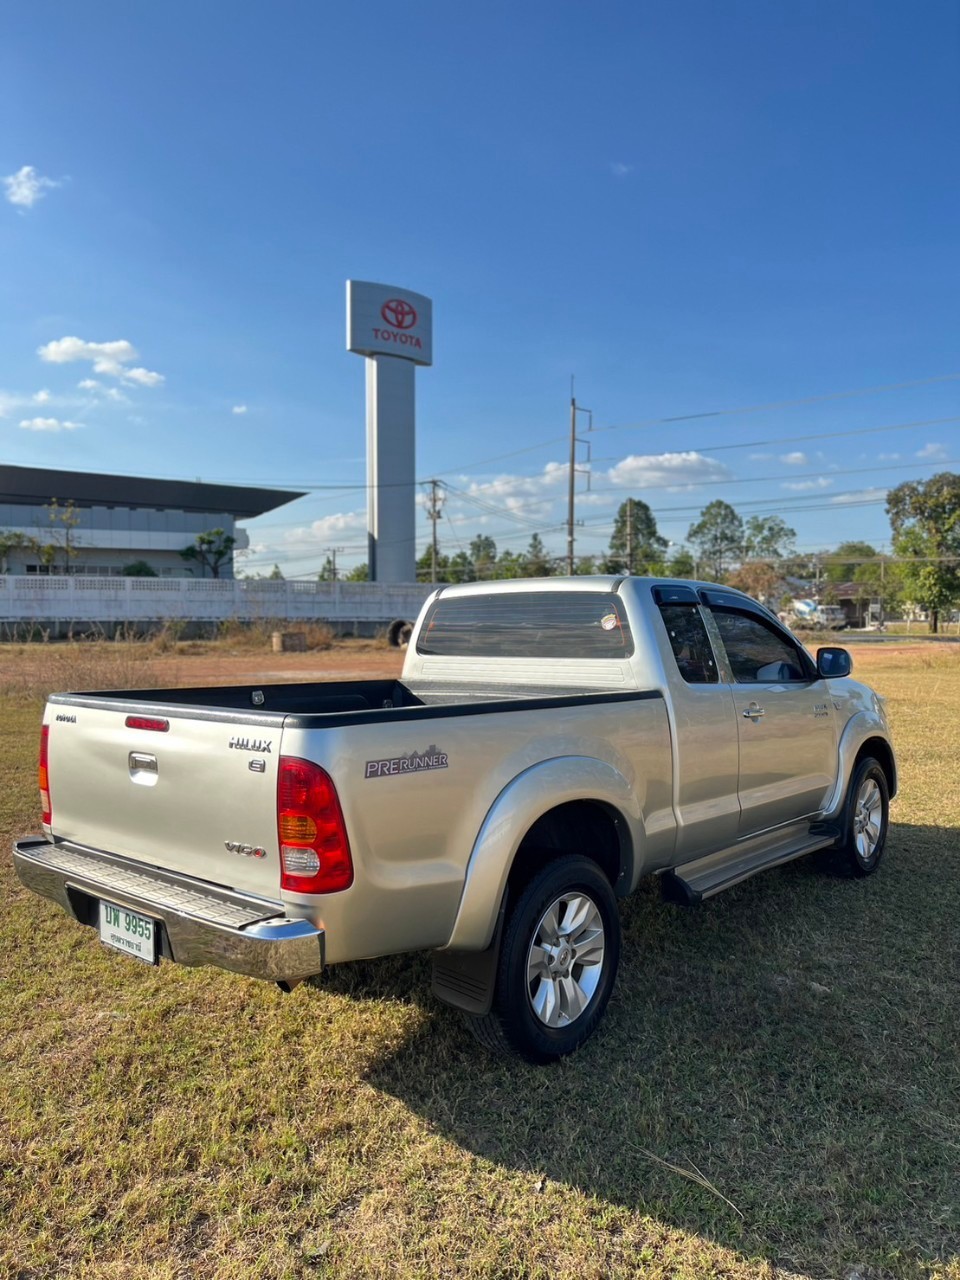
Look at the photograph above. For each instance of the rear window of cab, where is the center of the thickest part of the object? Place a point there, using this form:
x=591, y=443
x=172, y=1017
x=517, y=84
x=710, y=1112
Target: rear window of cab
x=541, y=624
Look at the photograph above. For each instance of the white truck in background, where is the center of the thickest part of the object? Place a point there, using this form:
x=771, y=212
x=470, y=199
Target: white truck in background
x=815, y=616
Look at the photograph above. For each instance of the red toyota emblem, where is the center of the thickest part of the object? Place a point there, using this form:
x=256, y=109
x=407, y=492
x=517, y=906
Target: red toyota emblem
x=399, y=313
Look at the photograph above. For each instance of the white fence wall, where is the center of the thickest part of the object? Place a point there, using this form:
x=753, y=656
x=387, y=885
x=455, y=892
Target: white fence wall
x=82, y=599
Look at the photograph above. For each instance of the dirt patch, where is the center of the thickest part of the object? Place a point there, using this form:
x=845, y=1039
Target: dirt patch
x=346, y=660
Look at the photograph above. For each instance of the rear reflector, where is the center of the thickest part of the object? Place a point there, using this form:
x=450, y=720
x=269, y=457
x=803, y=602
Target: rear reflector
x=146, y=722
x=44, y=775
x=314, y=849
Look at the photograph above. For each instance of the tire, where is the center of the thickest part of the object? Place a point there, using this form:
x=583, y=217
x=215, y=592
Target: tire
x=399, y=633
x=866, y=818
x=557, y=965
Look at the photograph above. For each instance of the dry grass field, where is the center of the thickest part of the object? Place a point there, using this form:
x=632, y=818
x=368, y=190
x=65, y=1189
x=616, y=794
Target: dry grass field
x=775, y=1090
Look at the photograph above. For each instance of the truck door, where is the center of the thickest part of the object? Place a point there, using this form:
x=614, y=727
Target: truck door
x=703, y=728
x=785, y=719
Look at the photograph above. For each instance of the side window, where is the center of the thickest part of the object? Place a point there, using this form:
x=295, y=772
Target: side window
x=690, y=643
x=756, y=652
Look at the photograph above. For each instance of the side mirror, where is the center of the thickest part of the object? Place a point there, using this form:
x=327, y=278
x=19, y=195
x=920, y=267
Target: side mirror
x=833, y=662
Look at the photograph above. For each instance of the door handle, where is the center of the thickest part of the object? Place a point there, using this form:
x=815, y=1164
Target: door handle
x=753, y=712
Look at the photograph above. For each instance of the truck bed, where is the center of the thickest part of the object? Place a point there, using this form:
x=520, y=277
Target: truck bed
x=336, y=703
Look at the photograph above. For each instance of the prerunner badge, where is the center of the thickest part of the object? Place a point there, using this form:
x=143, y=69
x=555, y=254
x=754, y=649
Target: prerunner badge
x=415, y=762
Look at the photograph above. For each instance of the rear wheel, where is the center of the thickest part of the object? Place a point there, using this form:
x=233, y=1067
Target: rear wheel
x=865, y=821
x=558, y=963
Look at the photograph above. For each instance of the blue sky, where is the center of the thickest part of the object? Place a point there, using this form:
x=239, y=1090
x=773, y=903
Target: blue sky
x=695, y=206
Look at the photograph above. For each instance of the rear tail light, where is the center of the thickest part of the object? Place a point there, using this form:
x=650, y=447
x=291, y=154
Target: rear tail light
x=44, y=775
x=314, y=849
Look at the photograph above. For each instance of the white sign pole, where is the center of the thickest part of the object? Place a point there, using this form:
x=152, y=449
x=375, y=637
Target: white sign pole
x=391, y=478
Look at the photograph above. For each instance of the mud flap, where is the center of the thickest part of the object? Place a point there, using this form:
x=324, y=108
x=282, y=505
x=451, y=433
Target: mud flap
x=467, y=979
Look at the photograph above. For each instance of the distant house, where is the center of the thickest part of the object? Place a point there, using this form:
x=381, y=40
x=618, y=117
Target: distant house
x=116, y=521
x=855, y=599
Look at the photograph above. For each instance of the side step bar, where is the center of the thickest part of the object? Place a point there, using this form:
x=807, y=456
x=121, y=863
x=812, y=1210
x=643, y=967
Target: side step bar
x=693, y=882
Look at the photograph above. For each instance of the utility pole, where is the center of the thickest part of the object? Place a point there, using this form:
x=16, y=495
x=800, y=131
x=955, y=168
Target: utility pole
x=571, y=488
x=332, y=553
x=630, y=536
x=433, y=511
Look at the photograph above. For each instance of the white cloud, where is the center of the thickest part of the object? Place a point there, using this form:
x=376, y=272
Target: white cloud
x=861, y=495
x=326, y=529
x=804, y=486
x=49, y=424
x=143, y=377
x=110, y=358
x=107, y=357
x=112, y=393
x=239, y=408
x=619, y=169
x=514, y=490
x=889, y=457
x=26, y=187
x=795, y=459
x=88, y=384
x=933, y=452
x=667, y=470
x=41, y=397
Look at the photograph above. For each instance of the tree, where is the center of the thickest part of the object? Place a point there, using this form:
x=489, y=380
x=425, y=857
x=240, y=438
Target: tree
x=276, y=574
x=359, y=573
x=483, y=553
x=139, y=569
x=757, y=578
x=59, y=551
x=925, y=518
x=210, y=550
x=682, y=564
x=768, y=538
x=460, y=568
x=15, y=542
x=841, y=569
x=635, y=544
x=539, y=564
x=717, y=535
x=511, y=564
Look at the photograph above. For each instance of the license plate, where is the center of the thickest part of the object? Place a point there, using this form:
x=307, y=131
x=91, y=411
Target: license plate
x=129, y=932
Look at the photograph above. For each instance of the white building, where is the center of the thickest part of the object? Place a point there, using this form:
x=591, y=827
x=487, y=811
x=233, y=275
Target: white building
x=98, y=525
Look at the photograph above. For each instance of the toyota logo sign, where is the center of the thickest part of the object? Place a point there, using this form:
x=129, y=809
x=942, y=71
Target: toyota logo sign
x=389, y=320
x=398, y=313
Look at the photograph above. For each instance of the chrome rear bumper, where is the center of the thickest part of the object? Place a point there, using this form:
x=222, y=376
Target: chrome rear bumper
x=202, y=923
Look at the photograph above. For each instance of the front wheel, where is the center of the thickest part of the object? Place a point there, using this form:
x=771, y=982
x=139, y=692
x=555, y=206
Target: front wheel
x=866, y=816
x=558, y=963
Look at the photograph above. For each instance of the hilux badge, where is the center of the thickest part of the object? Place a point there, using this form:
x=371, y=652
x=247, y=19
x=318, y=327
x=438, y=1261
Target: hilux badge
x=260, y=745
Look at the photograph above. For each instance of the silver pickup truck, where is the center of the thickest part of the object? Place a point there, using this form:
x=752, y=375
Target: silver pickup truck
x=549, y=743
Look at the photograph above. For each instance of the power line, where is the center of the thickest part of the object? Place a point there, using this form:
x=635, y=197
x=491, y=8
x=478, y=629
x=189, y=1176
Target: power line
x=796, y=475
x=818, y=435
x=785, y=404
x=719, y=413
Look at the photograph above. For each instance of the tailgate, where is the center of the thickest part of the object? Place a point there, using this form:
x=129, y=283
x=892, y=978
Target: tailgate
x=198, y=797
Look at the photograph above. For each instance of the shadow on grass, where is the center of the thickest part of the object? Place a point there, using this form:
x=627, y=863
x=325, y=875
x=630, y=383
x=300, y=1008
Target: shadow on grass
x=795, y=1041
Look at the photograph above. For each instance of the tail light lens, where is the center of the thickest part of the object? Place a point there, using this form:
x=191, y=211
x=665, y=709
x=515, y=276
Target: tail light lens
x=314, y=849
x=44, y=775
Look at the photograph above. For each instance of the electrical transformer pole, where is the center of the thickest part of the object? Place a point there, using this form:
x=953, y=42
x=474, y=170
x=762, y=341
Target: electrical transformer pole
x=570, y=488
x=434, y=509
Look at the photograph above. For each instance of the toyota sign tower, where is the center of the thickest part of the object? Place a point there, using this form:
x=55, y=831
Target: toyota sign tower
x=393, y=328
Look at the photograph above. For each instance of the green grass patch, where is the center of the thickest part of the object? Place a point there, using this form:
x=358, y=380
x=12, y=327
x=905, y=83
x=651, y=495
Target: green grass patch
x=775, y=1089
